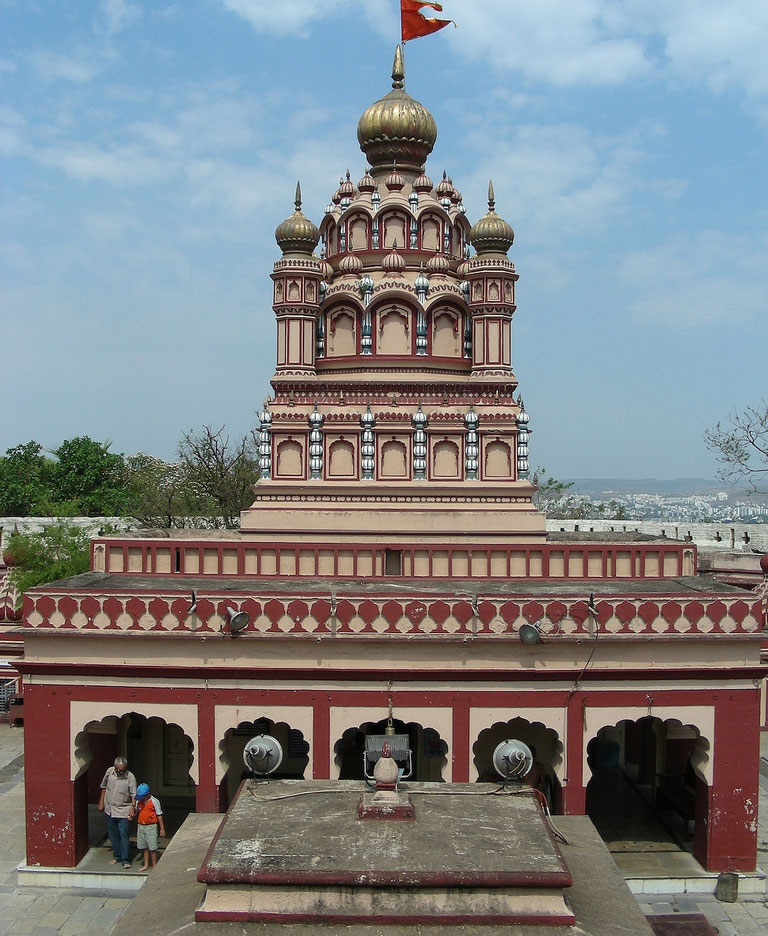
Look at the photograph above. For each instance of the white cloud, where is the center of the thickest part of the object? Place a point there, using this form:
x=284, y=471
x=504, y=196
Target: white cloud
x=125, y=164
x=52, y=66
x=701, y=279
x=118, y=14
x=290, y=17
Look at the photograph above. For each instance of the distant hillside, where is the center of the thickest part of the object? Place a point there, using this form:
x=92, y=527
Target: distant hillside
x=615, y=486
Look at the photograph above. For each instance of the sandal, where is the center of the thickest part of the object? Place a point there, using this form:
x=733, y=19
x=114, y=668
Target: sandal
x=126, y=866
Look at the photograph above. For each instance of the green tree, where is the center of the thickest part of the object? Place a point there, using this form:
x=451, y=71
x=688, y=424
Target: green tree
x=61, y=550
x=222, y=470
x=741, y=447
x=88, y=479
x=25, y=481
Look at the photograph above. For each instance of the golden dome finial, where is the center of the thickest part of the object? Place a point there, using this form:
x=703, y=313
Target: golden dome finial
x=297, y=199
x=396, y=127
x=491, y=198
x=398, y=70
x=297, y=234
x=491, y=234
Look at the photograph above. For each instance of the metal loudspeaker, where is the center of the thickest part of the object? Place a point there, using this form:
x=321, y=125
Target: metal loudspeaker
x=238, y=620
x=263, y=755
x=530, y=633
x=512, y=759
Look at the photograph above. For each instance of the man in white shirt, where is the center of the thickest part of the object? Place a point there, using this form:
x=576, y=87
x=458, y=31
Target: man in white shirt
x=118, y=803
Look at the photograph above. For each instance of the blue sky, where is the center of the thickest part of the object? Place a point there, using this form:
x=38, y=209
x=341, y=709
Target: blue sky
x=149, y=150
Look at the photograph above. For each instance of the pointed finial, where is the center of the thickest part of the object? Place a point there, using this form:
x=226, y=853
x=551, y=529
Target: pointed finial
x=444, y=174
x=347, y=175
x=491, y=198
x=297, y=199
x=398, y=70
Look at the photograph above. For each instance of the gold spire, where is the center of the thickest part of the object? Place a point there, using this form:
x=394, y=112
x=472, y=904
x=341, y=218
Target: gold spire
x=491, y=199
x=297, y=199
x=398, y=70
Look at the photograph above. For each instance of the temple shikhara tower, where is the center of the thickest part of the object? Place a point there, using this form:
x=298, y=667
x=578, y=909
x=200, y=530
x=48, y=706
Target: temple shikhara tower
x=394, y=569
x=394, y=443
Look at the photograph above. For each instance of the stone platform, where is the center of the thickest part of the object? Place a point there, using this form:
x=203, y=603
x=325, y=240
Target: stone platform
x=296, y=851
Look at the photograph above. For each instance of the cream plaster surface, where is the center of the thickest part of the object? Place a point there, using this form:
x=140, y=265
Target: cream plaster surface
x=482, y=718
x=701, y=717
x=441, y=719
x=230, y=716
x=185, y=716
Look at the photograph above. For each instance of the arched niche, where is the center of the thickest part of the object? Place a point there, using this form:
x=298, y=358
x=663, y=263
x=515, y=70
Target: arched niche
x=394, y=459
x=446, y=462
x=341, y=459
x=357, y=232
x=446, y=333
x=545, y=745
x=393, y=333
x=290, y=459
x=231, y=746
x=341, y=337
x=394, y=228
x=497, y=459
x=428, y=750
x=431, y=232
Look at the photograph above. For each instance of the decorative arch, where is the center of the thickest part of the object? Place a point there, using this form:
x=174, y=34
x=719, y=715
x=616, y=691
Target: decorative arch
x=446, y=461
x=544, y=743
x=231, y=767
x=497, y=459
x=394, y=459
x=341, y=337
x=429, y=749
x=393, y=331
x=341, y=459
x=358, y=231
x=430, y=232
x=394, y=230
x=446, y=332
x=290, y=459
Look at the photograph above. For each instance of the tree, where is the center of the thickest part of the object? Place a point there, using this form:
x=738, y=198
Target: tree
x=741, y=447
x=224, y=471
x=60, y=551
x=25, y=481
x=553, y=499
x=88, y=479
x=162, y=495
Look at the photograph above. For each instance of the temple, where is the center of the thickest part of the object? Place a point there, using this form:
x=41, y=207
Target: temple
x=394, y=565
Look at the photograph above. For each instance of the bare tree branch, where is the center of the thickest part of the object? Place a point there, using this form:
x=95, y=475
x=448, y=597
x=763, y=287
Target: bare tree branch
x=741, y=447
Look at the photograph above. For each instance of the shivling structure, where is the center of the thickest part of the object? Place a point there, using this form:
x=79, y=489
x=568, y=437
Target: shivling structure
x=393, y=566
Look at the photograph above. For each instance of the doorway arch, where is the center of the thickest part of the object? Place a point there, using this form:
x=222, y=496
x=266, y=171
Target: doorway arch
x=649, y=786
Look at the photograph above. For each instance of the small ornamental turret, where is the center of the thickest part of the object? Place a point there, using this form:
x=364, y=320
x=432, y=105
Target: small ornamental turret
x=491, y=234
x=297, y=234
x=471, y=448
x=297, y=277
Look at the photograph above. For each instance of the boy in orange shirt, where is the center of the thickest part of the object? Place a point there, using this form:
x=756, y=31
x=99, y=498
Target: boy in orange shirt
x=149, y=813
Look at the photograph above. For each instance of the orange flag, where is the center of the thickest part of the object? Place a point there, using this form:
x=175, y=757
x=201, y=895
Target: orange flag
x=413, y=23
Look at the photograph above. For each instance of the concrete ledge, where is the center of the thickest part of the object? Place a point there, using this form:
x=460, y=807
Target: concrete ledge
x=754, y=883
x=126, y=883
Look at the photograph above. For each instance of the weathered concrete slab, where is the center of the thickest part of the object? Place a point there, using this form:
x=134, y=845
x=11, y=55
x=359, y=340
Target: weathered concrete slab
x=307, y=832
x=166, y=905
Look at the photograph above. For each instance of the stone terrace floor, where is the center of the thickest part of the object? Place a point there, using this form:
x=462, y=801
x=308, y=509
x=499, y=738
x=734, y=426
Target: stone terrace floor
x=46, y=911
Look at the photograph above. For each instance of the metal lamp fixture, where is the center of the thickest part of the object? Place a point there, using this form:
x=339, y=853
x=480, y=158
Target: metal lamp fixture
x=238, y=621
x=530, y=633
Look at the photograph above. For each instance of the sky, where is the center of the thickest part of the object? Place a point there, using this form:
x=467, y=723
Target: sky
x=149, y=150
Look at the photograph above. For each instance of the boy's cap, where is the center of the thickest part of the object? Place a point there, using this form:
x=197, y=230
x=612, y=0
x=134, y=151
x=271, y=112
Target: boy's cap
x=142, y=790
